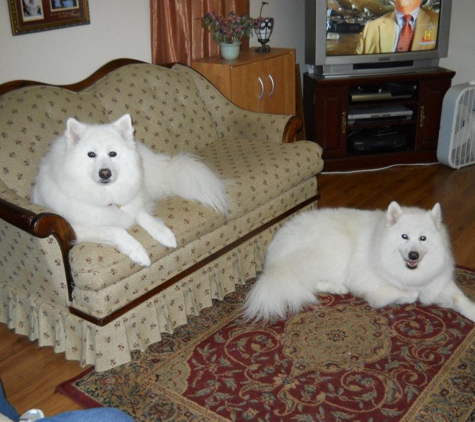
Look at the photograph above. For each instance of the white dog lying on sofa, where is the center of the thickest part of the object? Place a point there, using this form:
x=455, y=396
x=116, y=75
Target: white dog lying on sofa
x=103, y=182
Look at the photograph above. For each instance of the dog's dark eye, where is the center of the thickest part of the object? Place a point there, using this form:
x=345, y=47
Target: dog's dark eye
x=91, y=154
x=112, y=154
x=423, y=238
x=405, y=236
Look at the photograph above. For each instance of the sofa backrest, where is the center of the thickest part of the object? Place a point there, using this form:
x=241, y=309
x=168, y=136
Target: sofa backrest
x=168, y=113
x=167, y=110
x=30, y=118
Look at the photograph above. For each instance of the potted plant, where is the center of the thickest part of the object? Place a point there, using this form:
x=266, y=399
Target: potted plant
x=228, y=32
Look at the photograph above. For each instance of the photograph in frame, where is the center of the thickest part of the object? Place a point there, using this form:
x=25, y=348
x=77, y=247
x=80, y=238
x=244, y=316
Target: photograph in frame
x=29, y=16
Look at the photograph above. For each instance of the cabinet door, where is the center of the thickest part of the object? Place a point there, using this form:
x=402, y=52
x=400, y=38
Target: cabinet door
x=280, y=88
x=266, y=85
x=248, y=86
x=331, y=118
x=431, y=94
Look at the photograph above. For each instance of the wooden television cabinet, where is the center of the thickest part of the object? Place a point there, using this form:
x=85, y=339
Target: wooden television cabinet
x=380, y=138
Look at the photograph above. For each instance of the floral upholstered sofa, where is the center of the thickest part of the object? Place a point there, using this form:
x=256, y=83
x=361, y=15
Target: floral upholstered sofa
x=89, y=300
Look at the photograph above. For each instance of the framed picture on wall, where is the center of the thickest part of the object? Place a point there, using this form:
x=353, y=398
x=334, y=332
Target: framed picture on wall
x=29, y=16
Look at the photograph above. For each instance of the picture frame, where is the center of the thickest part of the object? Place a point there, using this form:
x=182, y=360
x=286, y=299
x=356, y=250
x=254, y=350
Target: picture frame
x=28, y=16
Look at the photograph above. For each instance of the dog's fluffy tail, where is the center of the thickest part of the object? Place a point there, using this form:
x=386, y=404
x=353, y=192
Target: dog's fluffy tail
x=194, y=180
x=276, y=295
x=186, y=176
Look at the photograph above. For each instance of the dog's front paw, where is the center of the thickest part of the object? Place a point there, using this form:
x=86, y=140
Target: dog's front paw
x=157, y=229
x=407, y=297
x=166, y=237
x=140, y=258
x=389, y=295
x=332, y=288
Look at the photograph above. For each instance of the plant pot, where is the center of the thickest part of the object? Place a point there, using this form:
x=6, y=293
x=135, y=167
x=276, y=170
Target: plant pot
x=229, y=51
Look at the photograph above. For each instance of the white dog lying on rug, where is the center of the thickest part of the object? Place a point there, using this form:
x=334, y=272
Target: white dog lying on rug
x=103, y=182
x=393, y=257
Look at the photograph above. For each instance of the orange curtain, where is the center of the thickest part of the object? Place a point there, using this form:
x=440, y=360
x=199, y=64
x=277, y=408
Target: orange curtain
x=177, y=34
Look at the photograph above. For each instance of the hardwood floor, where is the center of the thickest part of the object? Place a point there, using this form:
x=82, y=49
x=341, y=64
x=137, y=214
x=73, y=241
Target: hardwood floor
x=30, y=373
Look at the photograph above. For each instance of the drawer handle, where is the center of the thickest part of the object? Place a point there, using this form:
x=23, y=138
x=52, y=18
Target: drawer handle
x=273, y=85
x=262, y=88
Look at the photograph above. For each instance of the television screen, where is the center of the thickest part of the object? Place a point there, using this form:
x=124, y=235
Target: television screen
x=344, y=37
x=381, y=26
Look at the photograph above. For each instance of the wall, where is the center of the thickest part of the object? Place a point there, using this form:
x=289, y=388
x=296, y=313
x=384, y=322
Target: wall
x=119, y=28
x=289, y=25
x=461, y=57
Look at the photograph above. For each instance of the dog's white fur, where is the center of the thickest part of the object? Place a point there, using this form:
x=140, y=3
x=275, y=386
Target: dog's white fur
x=393, y=257
x=103, y=182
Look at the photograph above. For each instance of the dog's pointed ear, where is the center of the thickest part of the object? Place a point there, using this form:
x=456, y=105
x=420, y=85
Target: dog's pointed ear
x=436, y=213
x=393, y=213
x=125, y=128
x=74, y=130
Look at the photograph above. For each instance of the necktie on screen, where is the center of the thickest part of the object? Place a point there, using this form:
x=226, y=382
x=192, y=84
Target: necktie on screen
x=405, y=37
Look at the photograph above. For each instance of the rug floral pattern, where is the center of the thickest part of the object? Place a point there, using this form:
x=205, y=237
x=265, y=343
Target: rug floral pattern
x=339, y=361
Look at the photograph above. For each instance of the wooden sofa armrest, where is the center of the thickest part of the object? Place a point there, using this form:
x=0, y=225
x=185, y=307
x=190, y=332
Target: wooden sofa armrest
x=294, y=125
x=42, y=225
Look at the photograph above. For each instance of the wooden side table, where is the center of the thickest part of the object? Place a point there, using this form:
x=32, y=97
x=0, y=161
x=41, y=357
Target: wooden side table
x=263, y=82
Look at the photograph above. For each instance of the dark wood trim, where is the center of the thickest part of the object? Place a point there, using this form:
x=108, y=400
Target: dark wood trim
x=49, y=224
x=302, y=134
x=431, y=74
x=43, y=225
x=293, y=126
x=17, y=216
x=148, y=295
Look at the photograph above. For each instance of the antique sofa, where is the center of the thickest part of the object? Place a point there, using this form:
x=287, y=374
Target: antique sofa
x=89, y=300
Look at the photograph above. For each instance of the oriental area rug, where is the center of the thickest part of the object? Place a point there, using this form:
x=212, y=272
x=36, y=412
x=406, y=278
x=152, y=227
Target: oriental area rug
x=338, y=361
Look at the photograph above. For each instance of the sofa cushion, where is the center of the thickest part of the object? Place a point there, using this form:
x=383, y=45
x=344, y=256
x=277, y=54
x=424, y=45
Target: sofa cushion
x=96, y=266
x=95, y=295
x=259, y=171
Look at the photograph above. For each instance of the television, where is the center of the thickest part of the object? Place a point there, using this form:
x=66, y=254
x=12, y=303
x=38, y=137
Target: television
x=357, y=37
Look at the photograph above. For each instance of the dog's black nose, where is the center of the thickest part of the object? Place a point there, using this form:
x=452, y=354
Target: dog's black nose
x=105, y=174
x=413, y=255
